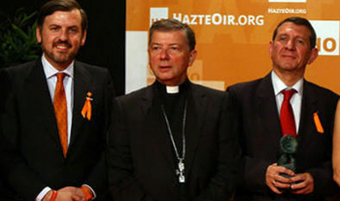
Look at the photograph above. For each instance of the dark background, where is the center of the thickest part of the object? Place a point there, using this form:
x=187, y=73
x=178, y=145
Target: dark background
x=105, y=43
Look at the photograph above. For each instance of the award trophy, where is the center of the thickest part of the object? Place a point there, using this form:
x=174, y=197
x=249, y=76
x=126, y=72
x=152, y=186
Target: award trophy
x=288, y=145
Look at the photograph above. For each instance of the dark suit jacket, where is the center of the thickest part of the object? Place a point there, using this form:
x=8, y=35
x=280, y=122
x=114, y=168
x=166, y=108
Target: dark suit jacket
x=141, y=159
x=260, y=125
x=32, y=158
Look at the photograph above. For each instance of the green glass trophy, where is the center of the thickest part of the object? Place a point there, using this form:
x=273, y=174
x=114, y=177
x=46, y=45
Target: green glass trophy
x=288, y=147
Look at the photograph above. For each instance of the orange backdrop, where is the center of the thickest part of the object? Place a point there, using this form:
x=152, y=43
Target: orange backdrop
x=232, y=38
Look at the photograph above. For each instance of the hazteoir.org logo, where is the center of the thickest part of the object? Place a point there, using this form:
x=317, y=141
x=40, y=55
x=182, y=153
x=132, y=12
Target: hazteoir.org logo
x=157, y=14
x=217, y=19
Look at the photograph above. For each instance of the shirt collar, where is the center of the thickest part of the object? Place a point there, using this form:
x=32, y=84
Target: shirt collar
x=278, y=85
x=173, y=89
x=51, y=71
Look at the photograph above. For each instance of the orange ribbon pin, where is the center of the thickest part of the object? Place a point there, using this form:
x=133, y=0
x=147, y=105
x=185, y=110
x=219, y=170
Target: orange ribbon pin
x=86, y=112
x=317, y=122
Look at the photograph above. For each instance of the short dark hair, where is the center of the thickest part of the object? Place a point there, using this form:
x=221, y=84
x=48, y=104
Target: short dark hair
x=61, y=5
x=174, y=25
x=299, y=21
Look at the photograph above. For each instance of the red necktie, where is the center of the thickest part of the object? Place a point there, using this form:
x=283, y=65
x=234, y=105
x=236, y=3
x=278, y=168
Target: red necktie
x=287, y=115
x=60, y=109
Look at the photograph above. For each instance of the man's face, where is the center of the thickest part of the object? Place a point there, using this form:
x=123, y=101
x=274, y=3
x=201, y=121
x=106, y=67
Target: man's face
x=169, y=56
x=291, y=49
x=61, y=37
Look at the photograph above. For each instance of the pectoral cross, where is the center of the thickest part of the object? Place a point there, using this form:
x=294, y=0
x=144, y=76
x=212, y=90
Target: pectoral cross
x=180, y=171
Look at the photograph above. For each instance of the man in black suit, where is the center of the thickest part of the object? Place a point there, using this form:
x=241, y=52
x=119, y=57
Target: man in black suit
x=259, y=104
x=173, y=140
x=40, y=163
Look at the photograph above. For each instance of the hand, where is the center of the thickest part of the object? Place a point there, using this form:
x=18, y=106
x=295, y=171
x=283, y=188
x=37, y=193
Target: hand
x=70, y=194
x=275, y=181
x=304, y=183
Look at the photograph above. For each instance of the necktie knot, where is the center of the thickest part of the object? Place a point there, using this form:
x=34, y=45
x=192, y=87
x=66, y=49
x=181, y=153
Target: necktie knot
x=287, y=94
x=60, y=77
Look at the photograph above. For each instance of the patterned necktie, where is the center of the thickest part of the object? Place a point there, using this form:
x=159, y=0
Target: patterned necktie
x=60, y=109
x=287, y=115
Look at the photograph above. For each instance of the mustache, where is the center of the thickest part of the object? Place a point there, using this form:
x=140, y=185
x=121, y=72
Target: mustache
x=60, y=42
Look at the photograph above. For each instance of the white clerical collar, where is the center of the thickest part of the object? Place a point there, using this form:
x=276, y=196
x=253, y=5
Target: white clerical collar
x=172, y=89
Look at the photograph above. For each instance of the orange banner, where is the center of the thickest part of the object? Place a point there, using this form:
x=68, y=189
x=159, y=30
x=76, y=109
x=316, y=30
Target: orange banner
x=232, y=38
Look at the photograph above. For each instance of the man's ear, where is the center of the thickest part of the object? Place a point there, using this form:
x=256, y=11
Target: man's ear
x=83, y=39
x=313, y=56
x=192, y=58
x=270, y=48
x=38, y=34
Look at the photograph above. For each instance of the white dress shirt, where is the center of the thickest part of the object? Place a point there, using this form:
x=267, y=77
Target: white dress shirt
x=296, y=99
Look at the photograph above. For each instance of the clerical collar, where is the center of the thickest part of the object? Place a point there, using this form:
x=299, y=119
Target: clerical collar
x=173, y=89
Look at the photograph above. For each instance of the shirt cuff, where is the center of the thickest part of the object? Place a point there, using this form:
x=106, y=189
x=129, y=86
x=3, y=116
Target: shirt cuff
x=89, y=187
x=42, y=194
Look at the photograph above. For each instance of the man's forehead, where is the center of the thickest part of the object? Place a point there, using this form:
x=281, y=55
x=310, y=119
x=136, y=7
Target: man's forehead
x=72, y=16
x=293, y=26
x=289, y=27
x=178, y=34
x=175, y=31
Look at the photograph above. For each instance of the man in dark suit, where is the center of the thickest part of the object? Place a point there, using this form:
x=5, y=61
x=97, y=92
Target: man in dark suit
x=259, y=104
x=48, y=156
x=173, y=140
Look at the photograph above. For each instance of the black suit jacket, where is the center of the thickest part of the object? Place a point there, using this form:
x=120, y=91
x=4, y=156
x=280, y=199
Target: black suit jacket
x=261, y=132
x=141, y=159
x=32, y=156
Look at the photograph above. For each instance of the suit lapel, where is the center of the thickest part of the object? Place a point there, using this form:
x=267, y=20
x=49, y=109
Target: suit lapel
x=155, y=125
x=269, y=117
x=82, y=78
x=37, y=89
x=308, y=107
x=147, y=100
x=197, y=106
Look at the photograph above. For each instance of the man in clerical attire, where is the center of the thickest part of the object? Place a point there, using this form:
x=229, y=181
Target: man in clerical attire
x=173, y=140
